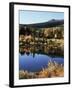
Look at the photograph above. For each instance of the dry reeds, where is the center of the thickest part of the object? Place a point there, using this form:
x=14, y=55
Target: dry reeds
x=52, y=70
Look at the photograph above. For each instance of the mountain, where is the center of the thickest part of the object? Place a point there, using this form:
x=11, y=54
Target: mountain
x=51, y=23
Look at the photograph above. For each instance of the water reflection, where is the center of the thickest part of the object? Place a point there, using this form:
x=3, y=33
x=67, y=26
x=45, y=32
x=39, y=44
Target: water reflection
x=34, y=58
x=36, y=62
x=41, y=49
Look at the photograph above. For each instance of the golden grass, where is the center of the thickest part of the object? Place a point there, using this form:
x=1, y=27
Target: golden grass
x=53, y=70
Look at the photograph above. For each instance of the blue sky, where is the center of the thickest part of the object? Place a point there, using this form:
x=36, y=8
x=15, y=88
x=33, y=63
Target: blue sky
x=28, y=17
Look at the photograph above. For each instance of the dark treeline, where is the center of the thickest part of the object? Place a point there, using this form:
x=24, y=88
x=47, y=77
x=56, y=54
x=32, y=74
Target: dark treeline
x=43, y=32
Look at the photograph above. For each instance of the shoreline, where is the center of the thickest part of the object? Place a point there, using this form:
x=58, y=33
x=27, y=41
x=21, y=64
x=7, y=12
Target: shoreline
x=53, y=69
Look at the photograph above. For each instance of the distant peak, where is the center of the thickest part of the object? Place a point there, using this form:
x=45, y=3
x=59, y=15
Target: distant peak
x=52, y=20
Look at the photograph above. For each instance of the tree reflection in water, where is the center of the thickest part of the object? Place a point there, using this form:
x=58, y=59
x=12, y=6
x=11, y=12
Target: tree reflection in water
x=40, y=49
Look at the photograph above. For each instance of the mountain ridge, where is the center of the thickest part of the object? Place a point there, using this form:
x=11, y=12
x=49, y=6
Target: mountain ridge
x=50, y=23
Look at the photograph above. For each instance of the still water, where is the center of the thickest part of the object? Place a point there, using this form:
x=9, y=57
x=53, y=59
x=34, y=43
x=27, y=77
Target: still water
x=37, y=62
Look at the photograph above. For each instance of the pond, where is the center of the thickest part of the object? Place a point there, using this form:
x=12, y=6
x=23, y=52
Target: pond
x=35, y=63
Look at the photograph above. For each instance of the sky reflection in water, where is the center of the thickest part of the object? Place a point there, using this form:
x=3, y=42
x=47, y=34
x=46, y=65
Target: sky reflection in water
x=36, y=63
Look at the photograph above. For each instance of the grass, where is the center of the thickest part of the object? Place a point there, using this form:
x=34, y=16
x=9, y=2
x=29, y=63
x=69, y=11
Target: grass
x=53, y=69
